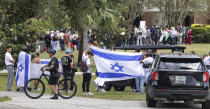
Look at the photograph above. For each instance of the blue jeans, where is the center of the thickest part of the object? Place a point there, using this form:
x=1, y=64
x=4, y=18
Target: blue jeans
x=142, y=80
x=138, y=84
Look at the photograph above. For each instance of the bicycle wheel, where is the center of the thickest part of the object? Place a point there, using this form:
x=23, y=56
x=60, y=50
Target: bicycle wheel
x=67, y=88
x=34, y=88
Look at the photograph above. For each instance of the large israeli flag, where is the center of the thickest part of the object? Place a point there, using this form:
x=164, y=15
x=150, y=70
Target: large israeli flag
x=112, y=66
x=23, y=69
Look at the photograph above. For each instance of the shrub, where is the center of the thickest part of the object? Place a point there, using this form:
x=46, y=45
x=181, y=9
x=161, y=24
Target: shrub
x=198, y=30
x=202, y=38
x=17, y=36
x=195, y=25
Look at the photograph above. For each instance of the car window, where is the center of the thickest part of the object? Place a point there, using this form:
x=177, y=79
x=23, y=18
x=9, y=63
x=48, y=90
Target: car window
x=181, y=64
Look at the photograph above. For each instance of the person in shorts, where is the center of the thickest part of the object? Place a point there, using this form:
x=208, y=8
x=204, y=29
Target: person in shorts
x=67, y=64
x=53, y=66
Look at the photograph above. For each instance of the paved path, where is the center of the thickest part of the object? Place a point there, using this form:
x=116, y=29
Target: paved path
x=20, y=101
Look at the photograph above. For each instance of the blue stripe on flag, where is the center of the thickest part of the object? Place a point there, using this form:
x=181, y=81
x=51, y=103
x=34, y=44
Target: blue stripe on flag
x=113, y=75
x=26, y=67
x=116, y=57
x=46, y=62
x=17, y=75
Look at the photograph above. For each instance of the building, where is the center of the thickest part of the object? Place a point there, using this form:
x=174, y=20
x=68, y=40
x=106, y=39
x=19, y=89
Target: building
x=153, y=16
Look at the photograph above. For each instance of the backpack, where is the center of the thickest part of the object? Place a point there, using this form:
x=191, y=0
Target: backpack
x=83, y=66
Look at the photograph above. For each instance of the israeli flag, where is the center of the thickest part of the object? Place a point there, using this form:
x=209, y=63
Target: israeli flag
x=36, y=68
x=23, y=69
x=112, y=66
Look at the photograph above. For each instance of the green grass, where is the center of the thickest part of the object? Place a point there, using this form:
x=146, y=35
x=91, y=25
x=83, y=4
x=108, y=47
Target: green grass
x=199, y=48
x=2, y=99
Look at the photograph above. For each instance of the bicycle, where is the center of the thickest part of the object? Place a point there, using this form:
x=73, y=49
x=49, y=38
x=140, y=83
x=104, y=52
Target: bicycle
x=67, y=88
x=35, y=87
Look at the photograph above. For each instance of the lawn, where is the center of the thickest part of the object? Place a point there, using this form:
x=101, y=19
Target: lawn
x=127, y=94
x=198, y=48
x=2, y=99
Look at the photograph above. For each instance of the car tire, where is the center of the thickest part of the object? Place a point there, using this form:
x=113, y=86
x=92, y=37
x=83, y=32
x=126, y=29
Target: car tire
x=150, y=102
x=119, y=88
x=206, y=105
x=107, y=86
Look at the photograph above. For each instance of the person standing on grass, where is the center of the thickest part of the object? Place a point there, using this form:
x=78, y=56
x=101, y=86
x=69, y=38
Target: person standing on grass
x=53, y=66
x=189, y=37
x=147, y=64
x=67, y=64
x=87, y=75
x=9, y=61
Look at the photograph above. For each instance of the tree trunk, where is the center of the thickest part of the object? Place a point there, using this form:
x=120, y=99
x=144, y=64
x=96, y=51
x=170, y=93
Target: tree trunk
x=83, y=42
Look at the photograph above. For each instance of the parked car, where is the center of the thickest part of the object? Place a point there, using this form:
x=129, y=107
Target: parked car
x=118, y=85
x=178, y=77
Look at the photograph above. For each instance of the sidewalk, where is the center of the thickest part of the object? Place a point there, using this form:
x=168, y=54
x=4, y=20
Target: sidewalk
x=21, y=101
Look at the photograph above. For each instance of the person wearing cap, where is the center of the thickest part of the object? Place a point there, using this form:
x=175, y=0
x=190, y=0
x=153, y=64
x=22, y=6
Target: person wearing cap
x=67, y=64
x=53, y=66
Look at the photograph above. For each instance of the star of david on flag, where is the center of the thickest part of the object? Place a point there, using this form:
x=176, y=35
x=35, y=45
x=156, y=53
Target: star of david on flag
x=112, y=65
x=117, y=67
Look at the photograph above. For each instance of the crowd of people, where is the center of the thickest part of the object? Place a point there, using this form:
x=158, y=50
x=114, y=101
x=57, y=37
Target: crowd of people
x=159, y=35
x=59, y=39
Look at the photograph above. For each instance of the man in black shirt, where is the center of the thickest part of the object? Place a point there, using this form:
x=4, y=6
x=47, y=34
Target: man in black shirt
x=53, y=66
x=67, y=62
x=67, y=65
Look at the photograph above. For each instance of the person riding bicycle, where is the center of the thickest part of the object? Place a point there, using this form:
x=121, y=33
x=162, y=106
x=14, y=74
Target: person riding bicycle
x=53, y=66
x=67, y=64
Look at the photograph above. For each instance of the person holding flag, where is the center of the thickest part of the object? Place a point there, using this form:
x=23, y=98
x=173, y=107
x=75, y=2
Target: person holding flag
x=23, y=68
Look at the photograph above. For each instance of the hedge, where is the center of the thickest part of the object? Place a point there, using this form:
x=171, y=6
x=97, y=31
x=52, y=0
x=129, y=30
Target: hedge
x=201, y=34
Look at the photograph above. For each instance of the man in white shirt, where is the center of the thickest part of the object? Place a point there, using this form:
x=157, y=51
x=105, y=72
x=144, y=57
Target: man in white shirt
x=9, y=61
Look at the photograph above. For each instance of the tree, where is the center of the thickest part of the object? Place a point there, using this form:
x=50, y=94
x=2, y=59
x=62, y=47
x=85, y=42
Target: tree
x=16, y=27
x=175, y=11
x=85, y=14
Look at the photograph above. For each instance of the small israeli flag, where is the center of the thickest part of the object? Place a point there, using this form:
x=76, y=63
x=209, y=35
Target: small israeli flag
x=23, y=69
x=113, y=65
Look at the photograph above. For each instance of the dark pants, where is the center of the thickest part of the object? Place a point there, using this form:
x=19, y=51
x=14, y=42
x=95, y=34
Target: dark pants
x=70, y=75
x=62, y=44
x=133, y=84
x=86, y=82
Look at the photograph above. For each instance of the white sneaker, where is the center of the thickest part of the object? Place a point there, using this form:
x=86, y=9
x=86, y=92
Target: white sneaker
x=84, y=93
x=90, y=94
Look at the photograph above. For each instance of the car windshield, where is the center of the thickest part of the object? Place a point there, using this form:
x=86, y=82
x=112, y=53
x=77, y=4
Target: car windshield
x=181, y=64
